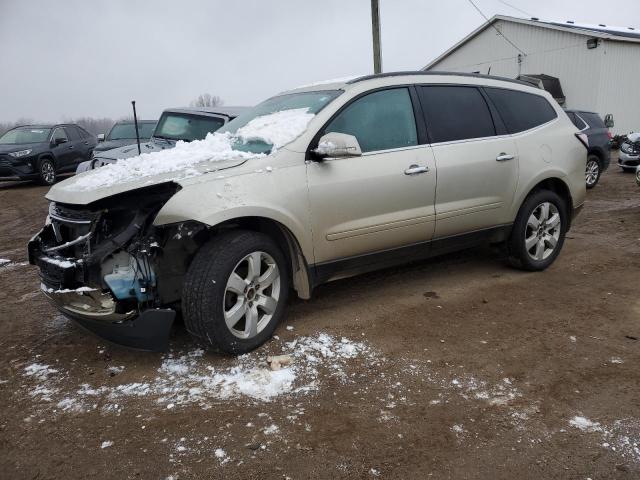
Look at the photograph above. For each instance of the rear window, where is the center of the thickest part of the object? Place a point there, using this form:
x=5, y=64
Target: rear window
x=521, y=111
x=456, y=113
x=593, y=119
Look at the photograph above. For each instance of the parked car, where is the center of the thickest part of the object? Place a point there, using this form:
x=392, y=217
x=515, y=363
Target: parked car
x=41, y=152
x=186, y=124
x=312, y=185
x=124, y=133
x=629, y=155
x=599, y=151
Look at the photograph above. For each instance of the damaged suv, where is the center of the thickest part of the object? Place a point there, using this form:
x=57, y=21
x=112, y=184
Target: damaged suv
x=315, y=184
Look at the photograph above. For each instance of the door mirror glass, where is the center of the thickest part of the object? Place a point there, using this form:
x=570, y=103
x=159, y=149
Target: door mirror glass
x=101, y=137
x=608, y=120
x=59, y=140
x=338, y=145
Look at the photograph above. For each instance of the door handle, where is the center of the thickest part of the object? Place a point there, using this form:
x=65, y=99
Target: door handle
x=416, y=169
x=70, y=147
x=503, y=157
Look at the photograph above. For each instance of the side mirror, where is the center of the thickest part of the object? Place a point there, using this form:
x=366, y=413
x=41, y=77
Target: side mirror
x=338, y=145
x=59, y=140
x=608, y=120
x=101, y=137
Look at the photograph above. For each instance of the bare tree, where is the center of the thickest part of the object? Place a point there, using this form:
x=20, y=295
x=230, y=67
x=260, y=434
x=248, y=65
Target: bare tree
x=207, y=100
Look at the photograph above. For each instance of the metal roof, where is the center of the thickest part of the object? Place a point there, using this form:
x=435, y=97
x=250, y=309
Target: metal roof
x=230, y=112
x=622, y=34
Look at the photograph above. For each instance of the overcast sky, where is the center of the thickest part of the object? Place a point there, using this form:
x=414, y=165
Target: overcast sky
x=70, y=58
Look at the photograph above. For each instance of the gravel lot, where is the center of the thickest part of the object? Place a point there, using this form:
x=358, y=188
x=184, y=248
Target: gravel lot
x=457, y=367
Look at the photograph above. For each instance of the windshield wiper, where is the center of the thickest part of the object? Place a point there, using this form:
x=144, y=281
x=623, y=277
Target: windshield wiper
x=166, y=139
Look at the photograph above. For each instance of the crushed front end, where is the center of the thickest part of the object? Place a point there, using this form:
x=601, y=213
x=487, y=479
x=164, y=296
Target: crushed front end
x=98, y=266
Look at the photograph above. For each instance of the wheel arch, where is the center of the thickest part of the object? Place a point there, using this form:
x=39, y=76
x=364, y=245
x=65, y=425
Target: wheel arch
x=554, y=184
x=283, y=236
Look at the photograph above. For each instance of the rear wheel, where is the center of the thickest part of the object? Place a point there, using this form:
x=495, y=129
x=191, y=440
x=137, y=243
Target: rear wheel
x=538, y=232
x=235, y=291
x=46, y=172
x=592, y=171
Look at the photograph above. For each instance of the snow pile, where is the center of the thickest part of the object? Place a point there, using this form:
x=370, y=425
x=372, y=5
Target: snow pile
x=276, y=129
x=191, y=378
x=584, y=424
x=4, y=261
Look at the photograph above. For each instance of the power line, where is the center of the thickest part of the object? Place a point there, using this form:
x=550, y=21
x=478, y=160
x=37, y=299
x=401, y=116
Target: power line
x=496, y=29
x=516, y=8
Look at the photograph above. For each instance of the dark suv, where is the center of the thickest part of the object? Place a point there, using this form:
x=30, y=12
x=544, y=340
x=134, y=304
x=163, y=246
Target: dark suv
x=599, y=151
x=41, y=152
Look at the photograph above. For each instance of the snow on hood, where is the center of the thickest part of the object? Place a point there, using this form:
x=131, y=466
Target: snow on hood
x=181, y=162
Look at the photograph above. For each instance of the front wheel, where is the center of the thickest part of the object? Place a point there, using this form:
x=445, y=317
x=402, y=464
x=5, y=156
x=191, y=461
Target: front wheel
x=538, y=232
x=235, y=291
x=592, y=171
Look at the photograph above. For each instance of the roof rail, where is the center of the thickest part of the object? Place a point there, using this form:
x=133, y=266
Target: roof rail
x=435, y=72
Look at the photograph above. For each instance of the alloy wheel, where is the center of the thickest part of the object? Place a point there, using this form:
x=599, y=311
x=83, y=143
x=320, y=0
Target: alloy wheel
x=542, y=232
x=591, y=172
x=251, y=295
x=48, y=172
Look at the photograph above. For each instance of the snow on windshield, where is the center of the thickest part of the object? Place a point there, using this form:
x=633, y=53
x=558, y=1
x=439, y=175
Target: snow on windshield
x=275, y=129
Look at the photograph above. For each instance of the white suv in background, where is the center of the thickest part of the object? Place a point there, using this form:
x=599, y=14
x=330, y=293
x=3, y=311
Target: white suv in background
x=312, y=185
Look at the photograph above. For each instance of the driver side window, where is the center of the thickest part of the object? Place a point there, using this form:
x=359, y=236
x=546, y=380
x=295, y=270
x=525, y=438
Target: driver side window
x=381, y=120
x=59, y=133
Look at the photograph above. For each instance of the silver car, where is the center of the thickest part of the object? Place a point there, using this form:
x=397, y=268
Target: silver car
x=177, y=124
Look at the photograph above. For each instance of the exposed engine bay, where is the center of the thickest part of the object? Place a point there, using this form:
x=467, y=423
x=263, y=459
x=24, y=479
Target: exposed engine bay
x=105, y=263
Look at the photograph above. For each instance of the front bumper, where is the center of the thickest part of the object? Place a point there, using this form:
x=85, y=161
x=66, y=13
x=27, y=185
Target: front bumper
x=16, y=168
x=627, y=160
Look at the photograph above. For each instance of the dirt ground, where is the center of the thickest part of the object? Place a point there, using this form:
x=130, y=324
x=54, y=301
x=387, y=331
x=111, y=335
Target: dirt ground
x=458, y=367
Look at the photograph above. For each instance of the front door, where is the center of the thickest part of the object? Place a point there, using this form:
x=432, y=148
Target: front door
x=383, y=199
x=64, y=152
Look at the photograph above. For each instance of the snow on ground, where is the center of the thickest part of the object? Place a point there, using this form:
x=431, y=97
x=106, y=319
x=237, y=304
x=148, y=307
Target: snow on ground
x=4, y=261
x=277, y=129
x=622, y=436
x=190, y=378
x=8, y=265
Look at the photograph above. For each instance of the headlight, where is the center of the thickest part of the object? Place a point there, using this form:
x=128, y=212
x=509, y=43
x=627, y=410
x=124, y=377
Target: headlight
x=21, y=153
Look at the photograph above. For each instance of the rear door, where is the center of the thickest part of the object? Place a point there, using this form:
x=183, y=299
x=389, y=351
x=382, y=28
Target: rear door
x=383, y=199
x=477, y=160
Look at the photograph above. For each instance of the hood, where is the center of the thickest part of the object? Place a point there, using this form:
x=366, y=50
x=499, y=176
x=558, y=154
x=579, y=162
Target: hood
x=66, y=191
x=111, y=144
x=131, y=150
x=634, y=137
x=11, y=147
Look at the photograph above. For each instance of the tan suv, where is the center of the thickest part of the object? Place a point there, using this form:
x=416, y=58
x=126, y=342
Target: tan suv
x=312, y=185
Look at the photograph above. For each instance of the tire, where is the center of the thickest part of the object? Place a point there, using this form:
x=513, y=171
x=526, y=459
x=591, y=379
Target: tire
x=628, y=169
x=544, y=241
x=593, y=170
x=46, y=172
x=221, y=284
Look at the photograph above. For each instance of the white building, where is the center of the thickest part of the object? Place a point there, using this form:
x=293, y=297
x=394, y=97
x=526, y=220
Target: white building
x=598, y=66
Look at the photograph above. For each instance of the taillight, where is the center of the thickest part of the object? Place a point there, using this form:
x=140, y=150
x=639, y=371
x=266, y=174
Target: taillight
x=583, y=138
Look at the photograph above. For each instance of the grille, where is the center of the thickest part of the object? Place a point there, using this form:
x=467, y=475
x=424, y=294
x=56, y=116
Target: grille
x=69, y=224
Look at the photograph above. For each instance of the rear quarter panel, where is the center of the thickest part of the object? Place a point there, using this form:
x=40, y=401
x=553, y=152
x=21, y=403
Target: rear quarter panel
x=551, y=151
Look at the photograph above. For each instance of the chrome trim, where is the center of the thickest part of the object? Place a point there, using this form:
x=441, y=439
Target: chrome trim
x=69, y=220
x=80, y=239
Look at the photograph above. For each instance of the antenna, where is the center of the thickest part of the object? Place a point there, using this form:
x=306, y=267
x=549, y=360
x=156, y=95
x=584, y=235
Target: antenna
x=135, y=121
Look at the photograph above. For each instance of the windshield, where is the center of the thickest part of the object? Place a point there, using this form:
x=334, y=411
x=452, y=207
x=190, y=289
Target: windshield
x=312, y=102
x=22, y=135
x=127, y=131
x=187, y=127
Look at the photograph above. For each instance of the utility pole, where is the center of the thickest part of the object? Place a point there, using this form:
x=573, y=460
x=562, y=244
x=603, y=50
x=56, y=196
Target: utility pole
x=375, y=26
